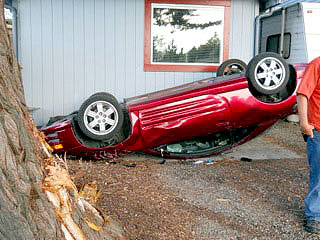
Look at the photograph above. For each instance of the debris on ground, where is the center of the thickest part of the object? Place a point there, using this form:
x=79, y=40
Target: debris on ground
x=63, y=194
x=198, y=162
x=207, y=162
x=126, y=163
x=245, y=159
x=90, y=193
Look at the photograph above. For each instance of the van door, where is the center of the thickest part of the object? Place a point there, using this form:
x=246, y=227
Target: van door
x=311, y=14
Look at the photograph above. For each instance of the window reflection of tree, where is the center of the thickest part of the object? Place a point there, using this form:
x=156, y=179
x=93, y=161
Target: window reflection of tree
x=180, y=19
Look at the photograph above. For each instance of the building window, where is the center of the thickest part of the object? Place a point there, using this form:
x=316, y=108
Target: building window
x=186, y=35
x=273, y=44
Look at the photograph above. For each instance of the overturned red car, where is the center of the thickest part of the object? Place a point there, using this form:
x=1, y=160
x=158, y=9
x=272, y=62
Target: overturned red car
x=192, y=120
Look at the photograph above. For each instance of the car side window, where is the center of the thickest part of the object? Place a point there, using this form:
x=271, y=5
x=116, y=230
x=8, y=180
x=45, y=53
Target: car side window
x=273, y=44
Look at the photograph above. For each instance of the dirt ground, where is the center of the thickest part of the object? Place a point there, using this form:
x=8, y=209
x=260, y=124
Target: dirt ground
x=228, y=199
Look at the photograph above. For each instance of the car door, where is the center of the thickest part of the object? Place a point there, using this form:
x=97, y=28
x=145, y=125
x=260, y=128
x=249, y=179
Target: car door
x=184, y=117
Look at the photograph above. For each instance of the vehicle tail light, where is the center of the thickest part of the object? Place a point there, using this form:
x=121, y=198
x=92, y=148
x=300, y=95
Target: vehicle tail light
x=58, y=146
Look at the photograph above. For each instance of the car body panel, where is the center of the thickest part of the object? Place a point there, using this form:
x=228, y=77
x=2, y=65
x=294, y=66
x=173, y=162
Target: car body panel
x=247, y=110
x=189, y=117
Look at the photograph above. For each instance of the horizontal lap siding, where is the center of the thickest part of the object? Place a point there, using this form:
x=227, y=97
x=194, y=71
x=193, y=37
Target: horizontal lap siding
x=70, y=49
x=243, y=14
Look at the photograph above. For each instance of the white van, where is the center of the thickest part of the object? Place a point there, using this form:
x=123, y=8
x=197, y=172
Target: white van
x=300, y=26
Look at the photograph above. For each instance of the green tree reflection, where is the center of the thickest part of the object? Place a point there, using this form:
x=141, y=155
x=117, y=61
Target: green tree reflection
x=180, y=20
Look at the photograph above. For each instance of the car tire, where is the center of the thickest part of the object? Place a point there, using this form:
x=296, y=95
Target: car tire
x=101, y=93
x=230, y=67
x=100, y=117
x=268, y=73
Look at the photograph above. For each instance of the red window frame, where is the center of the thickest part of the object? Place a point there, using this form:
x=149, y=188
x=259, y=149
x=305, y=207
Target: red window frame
x=153, y=67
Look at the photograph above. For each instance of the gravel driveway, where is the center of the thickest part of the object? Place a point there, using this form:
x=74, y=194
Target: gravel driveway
x=228, y=199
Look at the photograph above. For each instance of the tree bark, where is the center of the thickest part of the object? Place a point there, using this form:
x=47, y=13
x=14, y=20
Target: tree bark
x=32, y=205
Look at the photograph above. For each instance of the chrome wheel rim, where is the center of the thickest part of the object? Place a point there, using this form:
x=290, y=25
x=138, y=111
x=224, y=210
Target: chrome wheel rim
x=101, y=118
x=270, y=73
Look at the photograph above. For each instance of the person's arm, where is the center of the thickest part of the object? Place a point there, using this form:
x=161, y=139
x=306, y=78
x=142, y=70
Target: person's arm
x=306, y=128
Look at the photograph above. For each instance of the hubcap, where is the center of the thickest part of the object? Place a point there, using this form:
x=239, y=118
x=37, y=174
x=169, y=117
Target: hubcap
x=270, y=73
x=100, y=118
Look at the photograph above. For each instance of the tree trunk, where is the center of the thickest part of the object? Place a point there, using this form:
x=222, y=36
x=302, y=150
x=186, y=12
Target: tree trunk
x=33, y=203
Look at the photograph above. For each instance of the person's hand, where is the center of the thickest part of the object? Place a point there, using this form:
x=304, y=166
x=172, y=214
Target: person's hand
x=307, y=129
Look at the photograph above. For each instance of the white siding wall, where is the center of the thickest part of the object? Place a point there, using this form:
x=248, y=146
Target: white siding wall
x=70, y=49
x=243, y=15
